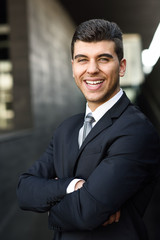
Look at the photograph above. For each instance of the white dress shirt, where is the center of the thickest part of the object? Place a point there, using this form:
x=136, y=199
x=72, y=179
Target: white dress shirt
x=97, y=114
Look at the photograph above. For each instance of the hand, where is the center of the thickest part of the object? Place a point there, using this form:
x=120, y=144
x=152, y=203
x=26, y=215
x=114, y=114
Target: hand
x=113, y=218
x=79, y=184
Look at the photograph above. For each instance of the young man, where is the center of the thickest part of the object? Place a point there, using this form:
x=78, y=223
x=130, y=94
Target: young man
x=86, y=181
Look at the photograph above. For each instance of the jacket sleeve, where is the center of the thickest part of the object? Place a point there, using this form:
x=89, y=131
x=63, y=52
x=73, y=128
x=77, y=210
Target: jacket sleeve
x=128, y=167
x=38, y=189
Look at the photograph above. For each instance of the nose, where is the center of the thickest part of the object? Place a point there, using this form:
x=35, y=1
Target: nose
x=92, y=67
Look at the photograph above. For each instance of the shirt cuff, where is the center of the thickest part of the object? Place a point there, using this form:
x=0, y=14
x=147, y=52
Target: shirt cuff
x=72, y=184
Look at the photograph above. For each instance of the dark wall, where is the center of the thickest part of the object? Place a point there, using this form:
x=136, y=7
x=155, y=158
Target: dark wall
x=149, y=98
x=16, y=154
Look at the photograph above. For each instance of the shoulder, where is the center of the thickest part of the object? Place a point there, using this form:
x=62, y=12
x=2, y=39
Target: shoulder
x=135, y=116
x=134, y=135
x=135, y=124
x=128, y=117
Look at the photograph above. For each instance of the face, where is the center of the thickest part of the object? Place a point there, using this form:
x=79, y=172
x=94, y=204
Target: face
x=96, y=70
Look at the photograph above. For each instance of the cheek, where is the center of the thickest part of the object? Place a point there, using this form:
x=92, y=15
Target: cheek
x=78, y=74
x=77, y=81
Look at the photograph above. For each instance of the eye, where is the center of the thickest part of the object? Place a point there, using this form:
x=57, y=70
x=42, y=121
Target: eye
x=82, y=60
x=103, y=59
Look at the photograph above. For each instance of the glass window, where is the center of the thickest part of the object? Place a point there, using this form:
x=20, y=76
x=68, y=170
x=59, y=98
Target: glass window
x=6, y=97
x=6, y=78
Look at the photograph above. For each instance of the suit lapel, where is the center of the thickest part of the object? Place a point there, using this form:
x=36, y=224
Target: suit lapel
x=106, y=120
x=72, y=147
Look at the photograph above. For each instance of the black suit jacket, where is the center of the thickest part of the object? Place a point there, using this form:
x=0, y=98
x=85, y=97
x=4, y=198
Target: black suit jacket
x=119, y=161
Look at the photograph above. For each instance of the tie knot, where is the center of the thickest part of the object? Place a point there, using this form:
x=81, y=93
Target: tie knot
x=89, y=118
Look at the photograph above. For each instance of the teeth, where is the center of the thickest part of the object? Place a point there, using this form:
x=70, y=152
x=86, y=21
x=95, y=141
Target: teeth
x=93, y=82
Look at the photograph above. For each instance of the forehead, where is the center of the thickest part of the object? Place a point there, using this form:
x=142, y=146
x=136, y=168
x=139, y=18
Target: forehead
x=94, y=48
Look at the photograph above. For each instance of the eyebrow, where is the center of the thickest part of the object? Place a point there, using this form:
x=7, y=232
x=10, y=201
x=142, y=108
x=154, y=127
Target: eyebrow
x=105, y=55
x=80, y=55
x=101, y=55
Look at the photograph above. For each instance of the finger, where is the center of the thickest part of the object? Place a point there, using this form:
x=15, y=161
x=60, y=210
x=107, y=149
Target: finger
x=112, y=218
x=110, y=221
x=79, y=185
x=117, y=216
x=105, y=223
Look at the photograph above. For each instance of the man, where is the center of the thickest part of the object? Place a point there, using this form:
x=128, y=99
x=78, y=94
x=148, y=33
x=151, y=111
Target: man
x=86, y=181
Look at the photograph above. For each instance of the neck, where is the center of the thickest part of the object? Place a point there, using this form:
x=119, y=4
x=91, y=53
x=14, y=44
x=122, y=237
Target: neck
x=94, y=105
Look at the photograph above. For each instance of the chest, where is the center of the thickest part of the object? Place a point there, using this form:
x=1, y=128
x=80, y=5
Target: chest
x=70, y=161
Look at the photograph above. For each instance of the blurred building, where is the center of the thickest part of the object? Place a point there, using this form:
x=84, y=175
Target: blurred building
x=37, y=90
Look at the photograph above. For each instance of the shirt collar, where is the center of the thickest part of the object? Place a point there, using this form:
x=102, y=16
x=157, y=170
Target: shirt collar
x=102, y=109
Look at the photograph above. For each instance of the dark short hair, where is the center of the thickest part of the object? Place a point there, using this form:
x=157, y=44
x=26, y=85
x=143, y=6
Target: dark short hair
x=95, y=30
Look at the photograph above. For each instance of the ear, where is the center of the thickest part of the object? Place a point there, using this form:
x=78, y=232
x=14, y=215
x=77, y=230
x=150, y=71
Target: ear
x=122, y=68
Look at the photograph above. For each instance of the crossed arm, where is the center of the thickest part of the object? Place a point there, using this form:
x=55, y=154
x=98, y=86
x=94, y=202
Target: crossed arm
x=117, y=178
x=113, y=218
x=111, y=184
x=39, y=193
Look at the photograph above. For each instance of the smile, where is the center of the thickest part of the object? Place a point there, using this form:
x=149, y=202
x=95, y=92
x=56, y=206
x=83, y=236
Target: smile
x=94, y=85
x=94, y=82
